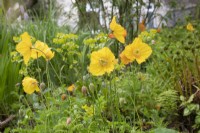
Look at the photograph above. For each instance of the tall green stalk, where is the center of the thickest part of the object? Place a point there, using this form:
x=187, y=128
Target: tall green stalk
x=9, y=72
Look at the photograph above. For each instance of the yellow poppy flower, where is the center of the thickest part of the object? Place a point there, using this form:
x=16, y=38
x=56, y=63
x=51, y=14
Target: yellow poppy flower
x=30, y=85
x=102, y=61
x=124, y=59
x=42, y=49
x=138, y=50
x=118, y=31
x=190, y=27
x=48, y=54
x=25, y=47
x=37, y=51
x=71, y=88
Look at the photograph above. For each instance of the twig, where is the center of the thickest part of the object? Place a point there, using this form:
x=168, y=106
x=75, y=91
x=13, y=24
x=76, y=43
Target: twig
x=104, y=13
x=82, y=14
x=6, y=121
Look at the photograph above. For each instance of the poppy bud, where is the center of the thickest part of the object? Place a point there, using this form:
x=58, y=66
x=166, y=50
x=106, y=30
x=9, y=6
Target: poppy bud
x=91, y=87
x=63, y=96
x=17, y=85
x=153, y=41
x=158, y=30
x=84, y=90
x=68, y=120
x=122, y=101
x=111, y=35
x=21, y=112
x=42, y=85
x=158, y=106
x=84, y=78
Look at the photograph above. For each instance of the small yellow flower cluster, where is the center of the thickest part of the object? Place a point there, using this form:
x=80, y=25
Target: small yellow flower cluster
x=147, y=36
x=71, y=36
x=89, y=110
x=23, y=71
x=99, y=39
x=62, y=38
x=66, y=45
x=89, y=42
x=16, y=39
x=190, y=27
x=15, y=56
x=27, y=50
x=70, y=46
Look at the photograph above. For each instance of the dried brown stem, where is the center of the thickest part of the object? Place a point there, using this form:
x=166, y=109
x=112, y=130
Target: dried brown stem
x=6, y=121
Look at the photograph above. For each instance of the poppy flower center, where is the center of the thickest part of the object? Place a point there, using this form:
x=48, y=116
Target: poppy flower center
x=102, y=62
x=136, y=52
x=34, y=84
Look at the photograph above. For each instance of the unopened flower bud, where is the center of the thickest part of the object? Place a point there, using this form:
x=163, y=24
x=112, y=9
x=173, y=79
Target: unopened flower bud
x=21, y=112
x=63, y=96
x=91, y=87
x=153, y=42
x=84, y=78
x=42, y=85
x=158, y=106
x=103, y=84
x=84, y=90
x=158, y=30
x=17, y=85
x=68, y=120
x=122, y=101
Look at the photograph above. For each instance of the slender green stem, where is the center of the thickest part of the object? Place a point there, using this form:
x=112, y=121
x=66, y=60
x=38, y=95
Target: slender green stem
x=27, y=103
x=47, y=73
x=55, y=72
x=40, y=80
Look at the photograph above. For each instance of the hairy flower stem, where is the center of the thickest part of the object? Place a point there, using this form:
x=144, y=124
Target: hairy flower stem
x=40, y=80
x=197, y=65
x=59, y=78
x=112, y=107
x=47, y=74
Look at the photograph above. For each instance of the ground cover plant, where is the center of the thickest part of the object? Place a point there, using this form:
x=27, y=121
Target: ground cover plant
x=55, y=80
